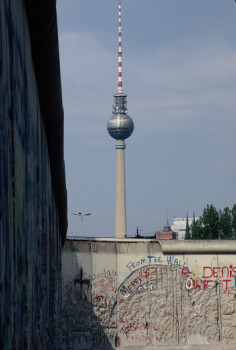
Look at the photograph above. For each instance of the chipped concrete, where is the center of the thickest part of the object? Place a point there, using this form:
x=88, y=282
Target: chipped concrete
x=129, y=294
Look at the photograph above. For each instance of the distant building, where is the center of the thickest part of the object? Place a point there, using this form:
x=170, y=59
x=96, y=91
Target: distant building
x=167, y=233
x=146, y=235
x=175, y=231
x=179, y=225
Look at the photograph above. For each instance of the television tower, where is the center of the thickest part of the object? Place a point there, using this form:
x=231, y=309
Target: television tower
x=120, y=126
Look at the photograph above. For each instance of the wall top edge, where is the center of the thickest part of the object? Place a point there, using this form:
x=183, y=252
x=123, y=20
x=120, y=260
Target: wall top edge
x=109, y=239
x=173, y=246
x=199, y=247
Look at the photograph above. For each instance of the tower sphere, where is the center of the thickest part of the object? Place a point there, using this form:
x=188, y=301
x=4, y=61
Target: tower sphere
x=120, y=126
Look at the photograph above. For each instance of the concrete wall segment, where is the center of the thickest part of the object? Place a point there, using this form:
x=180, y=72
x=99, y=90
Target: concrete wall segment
x=30, y=245
x=44, y=49
x=142, y=298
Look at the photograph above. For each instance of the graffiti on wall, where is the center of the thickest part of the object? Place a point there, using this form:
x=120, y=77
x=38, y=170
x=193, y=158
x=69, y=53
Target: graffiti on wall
x=211, y=276
x=158, y=300
x=144, y=276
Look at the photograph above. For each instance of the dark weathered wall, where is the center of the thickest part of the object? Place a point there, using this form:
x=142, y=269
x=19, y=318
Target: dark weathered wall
x=30, y=246
x=134, y=295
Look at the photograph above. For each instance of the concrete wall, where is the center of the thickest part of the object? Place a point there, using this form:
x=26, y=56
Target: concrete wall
x=30, y=246
x=143, y=294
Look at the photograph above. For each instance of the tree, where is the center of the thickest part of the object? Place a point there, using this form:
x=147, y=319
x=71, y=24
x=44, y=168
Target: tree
x=234, y=221
x=226, y=228
x=210, y=220
x=214, y=224
x=188, y=232
x=197, y=230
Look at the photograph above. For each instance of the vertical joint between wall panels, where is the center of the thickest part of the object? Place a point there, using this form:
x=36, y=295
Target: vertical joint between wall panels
x=219, y=313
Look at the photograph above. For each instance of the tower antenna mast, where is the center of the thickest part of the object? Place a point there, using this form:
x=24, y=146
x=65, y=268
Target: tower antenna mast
x=120, y=88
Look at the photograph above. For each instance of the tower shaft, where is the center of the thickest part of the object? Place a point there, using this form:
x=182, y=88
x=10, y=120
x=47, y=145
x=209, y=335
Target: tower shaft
x=121, y=227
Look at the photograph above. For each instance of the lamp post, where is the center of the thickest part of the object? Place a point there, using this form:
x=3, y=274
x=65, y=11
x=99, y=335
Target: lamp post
x=81, y=216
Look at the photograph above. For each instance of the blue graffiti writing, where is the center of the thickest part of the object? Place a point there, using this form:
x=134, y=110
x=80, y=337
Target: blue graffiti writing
x=132, y=265
x=154, y=259
x=151, y=259
x=172, y=260
x=131, y=287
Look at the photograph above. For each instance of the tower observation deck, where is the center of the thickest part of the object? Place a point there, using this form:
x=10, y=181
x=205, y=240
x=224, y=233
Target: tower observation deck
x=120, y=126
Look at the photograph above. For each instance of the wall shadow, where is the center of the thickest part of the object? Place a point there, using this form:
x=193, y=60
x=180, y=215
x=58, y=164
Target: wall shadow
x=82, y=328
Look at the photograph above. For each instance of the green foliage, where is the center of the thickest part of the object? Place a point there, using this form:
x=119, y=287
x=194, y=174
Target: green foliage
x=214, y=224
x=187, y=233
x=197, y=230
x=226, y=229
x=234, y=220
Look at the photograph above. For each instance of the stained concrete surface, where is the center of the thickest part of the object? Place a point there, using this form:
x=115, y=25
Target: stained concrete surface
x=129, y=294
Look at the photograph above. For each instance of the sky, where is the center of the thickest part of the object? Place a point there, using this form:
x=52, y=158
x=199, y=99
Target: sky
x=179, y=74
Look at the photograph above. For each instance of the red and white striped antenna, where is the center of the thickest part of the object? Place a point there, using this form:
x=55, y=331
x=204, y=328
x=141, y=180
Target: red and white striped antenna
x=120, y=88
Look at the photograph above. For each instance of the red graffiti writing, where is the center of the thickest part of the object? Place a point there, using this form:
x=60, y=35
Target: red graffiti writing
x=211, y=276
